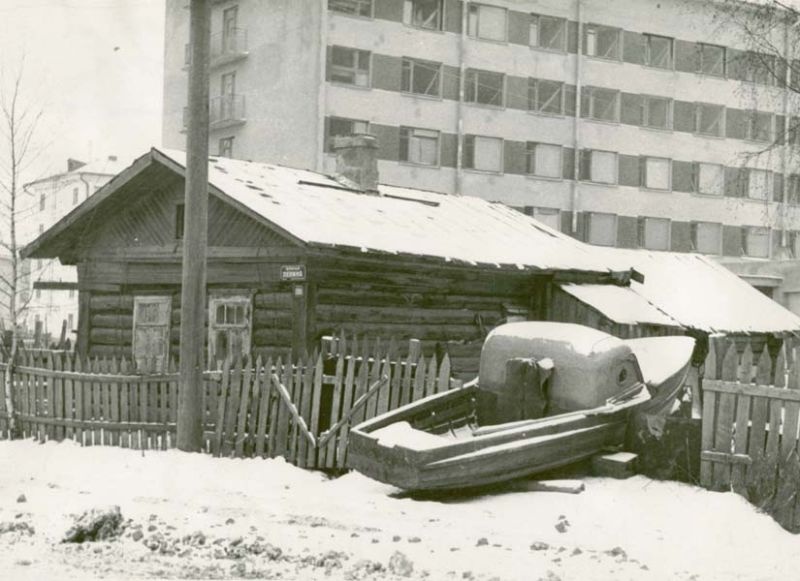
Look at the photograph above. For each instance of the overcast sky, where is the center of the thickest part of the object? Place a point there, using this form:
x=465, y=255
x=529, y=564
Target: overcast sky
x=95, y=66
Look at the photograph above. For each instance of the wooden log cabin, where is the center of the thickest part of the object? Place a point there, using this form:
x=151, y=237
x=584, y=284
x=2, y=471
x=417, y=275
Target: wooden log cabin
x=295, y=255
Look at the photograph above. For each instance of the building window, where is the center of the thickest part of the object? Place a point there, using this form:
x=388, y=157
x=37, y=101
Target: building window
x=72, y=293
x=423, y=13
x=602, y=229
x=179, y=221
x=151, y=317
x=711, y=60
x=485, y=87
x=230, y=18
x=759, y=126
x=657, y=173
x=658, y=51
x=74, y=196
x=546, y=96
x=759, y=68
x=38, y=293
x=598, y=166
x=342, y=127
x=657, y=112
x=706, y=237
x=483, y=153
x=710, y=119
x=70, y=322
x=419, y=146
x=487, y=22
x=710, y=179
x=601, y=41
x=422, y=77
x=229, y=327
x=602, y=104
x=654, y=233
x=350, y=66
x=42, y=202
x=756, y=241
x=548, y=32
x=544, y=160
x=793, y=190
x=759, y=184
x=354, y=7
x=226, y=147
x=548, y=216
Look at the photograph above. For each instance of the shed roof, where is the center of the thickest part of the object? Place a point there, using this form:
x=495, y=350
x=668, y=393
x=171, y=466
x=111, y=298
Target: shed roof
x=314, y=209
x=690, y=290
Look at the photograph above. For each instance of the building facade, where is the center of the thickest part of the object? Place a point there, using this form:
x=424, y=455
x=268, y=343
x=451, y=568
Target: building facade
x=51, y=296
x=630, y=123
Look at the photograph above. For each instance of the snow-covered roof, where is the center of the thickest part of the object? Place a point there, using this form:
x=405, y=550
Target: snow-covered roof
x=107, y=166
x=690, y=290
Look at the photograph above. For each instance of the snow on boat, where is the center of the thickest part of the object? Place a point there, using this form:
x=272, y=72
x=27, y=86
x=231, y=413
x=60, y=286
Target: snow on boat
x=547, y=395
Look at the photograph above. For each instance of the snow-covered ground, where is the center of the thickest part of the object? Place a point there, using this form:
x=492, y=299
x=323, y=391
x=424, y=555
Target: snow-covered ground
x=193, y=516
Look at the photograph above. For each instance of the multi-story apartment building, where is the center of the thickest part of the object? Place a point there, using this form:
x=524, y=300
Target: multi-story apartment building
x=632, y=123
x=51, y=296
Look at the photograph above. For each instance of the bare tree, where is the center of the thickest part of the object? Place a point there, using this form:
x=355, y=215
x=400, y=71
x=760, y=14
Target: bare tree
x=18, y=124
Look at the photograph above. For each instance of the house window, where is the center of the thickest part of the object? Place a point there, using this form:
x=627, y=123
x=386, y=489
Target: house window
x=601, y=41
x=709, y=119
x=350, y=66
x=151, y=317
x=710, y=179
x=229, y=327
x=756, y=241
x=226, y=147
x=602, y=229
x=74, y=196
x=485, y=87
x=657, y=112
x=759, y=126
x=706, y=237
x=483, y=153
x=342, y=127
x=419, y=146
x=423, y=13
x=422, y=77
x=598, y=166
x=179, y=221
x=711, y=60
x=657, y=173
x=42, y=202
x=603, y=104
x=759, y=184
x=544, y=160
x=658, y=51
x=487, y=22
x=548, y=216
x=654, y=233
x=548, y=32
x=546, y=96
x=354, y=7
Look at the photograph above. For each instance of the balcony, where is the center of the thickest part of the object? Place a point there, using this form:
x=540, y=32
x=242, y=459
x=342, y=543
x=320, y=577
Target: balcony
x=224, y=111
x=226, y=47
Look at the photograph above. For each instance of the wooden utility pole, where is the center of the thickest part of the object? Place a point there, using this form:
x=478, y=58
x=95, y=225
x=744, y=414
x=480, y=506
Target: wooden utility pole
x=193, y=290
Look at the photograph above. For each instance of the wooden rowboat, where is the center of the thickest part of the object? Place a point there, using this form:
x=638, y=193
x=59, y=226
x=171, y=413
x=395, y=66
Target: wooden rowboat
x=483, y=434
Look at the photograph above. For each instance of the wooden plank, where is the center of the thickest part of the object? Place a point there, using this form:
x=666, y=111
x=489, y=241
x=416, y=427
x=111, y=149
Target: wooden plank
x=384, y=394
x=311, y=454
x=419, y=380
x=789, y=435
x=753, y=390
x=431, y=377
x=114, y=388
x=232, y=409
x=304, y=409
x=279, y=436
x=756, y=445
x=256, y=393
x=780, y=368
x=222, y=404
x=361, y=386
x=723, y=430
x=78, y=389
x=348, y=392
x=726, y=458
x=97, y=404
x=772, y=451
x=295, y=396
x=264, y=406
x=741, y=431
x=371, y=408
x=99, y=425
x=745, y=370
x=764, y=375
x=443, y=380
x=707, y=436
x=336, y=403
x=54, y=362
x=244, y=407
x=173, y=401
x=124, y=403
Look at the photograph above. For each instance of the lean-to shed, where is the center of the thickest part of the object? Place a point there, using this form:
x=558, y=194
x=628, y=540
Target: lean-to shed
x=294, y=255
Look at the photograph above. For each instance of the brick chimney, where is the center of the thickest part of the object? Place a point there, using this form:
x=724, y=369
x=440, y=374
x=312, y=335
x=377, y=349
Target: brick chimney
x=357, y=160
x=73, y=164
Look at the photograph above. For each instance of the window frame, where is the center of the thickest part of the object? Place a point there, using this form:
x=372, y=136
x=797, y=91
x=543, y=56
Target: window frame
x=590, y=178
x=440, y=26
x=698, y=109
x=535, y=211
x=476, y=7
x=769, y=185
x=747, y=231
x=534, y=98
x=564, y=32
x=694, y=226
x=357, y=52
x=406, y=140
x=239, y=299
x=700, y=60
x=411, y=64
x=530, y=160
x=335, y=119
x=646, y=112
x=648, y=50
x=697, y=181
x=371, y=4
x=643, y=230
x=476, y=84
x=645, y=183
x=165, y=326
x=614, y=229
x=596, y=27
x=228, y=142
x=590, y=114
x=473, y=137
x=751, y=127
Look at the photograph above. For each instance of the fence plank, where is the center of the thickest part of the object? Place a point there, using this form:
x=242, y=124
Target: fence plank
x=311, y=455
x=222, y=404
x=756, y=444
x=279, y=440
x=361, y=385
x=244, y=406
x=336, y=404
x=430, y=377
x=114, y=388
x=790, y=424
x=305, y=399
x=77, y=386
x=780, y=368
x=348, y=392
x=124, y=403
x=59, y=411
x=764, y=375
x=772, y=453
x=710, y=367
x=265, y=395
x=443, y=381
x=374, y=375
x=741, y=430
x=385, y=392
x=419, y=380
x=707, y=436
x=295, y=396
x=252, y=415
x=723, y=436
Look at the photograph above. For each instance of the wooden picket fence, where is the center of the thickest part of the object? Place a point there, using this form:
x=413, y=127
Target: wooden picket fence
x=751, y=414
x=252, y=407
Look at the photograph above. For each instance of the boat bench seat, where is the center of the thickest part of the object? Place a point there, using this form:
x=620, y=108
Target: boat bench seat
x=403, y=434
